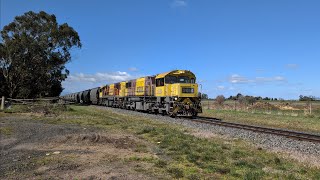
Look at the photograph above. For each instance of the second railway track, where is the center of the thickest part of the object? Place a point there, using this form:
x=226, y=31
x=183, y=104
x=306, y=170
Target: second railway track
x=280, y=132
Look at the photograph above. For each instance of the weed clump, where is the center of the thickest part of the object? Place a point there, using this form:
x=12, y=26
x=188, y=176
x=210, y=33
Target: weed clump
x=146, y=129
x=194, y=177
x=161, y=163
x=253, y=175
x=277, y=160
x=176, y=172
x=6, y=131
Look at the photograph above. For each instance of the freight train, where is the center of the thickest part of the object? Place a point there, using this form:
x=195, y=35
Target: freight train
x=173, y=93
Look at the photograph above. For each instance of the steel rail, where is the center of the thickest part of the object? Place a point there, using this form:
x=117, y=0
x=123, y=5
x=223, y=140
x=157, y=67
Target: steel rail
x=280, y=132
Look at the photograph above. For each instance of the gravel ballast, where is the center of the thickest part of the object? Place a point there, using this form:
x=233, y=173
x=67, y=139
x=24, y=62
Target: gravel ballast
x=300, y=150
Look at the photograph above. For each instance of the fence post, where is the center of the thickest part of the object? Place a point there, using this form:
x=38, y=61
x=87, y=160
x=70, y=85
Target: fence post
x=2, y=103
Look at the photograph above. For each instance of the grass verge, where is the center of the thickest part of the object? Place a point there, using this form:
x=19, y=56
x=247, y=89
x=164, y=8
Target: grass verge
x=181, y=155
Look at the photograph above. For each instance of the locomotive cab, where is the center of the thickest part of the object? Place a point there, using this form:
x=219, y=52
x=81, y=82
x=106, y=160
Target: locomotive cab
x=180, y=91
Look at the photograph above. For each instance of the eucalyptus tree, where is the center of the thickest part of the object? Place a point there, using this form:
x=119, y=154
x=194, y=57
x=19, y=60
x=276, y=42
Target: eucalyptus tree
x=33, y=52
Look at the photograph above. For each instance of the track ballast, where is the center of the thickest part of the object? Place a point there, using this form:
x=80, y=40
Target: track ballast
x=303, y=136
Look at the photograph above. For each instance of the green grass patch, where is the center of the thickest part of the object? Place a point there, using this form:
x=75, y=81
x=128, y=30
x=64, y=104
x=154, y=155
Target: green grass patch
x=6, y=131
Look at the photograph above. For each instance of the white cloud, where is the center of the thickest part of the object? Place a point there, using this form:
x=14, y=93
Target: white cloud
x=100, y=77
x=133, y=69
x=260, y=70
x=292, y=66
x=237, y=79
x=179, y=3
x=220, y=87
x=81, y=81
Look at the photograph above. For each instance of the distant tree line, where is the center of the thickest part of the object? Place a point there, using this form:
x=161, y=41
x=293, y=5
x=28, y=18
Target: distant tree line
x=241, y=97
x=34, y=49
x=307, y=98
x=245, y=99
x=256, y=98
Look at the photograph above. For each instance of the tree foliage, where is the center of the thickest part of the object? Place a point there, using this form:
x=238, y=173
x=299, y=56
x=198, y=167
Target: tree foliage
x=204, y=96
x=220, y=99
x=307, y=98
x=33, y=54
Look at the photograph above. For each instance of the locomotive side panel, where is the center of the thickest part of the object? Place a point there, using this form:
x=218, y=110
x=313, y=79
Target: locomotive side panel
x=140, y=86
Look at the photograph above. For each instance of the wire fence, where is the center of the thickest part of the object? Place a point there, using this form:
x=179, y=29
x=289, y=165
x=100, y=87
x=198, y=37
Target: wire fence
x=6, y=103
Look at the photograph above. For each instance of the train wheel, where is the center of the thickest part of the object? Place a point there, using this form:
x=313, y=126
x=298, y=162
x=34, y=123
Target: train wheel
x=173, y=115
x=195, y=114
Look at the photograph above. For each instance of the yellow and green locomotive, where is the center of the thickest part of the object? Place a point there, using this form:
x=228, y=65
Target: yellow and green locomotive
x=173, y=93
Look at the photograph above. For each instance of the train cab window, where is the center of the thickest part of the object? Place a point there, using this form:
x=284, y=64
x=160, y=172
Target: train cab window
x=128, y=84
x=192, y=80
x=160, y=82
x=183, y=79
x=170, y=79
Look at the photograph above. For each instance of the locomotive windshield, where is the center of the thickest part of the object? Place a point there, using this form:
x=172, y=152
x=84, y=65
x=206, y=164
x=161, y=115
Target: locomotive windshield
x=179, y=79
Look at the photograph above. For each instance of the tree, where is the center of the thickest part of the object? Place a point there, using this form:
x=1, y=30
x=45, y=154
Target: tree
x=241, y=99
x=204, y=96
x=239, y=95
x=306, y=98
x=250, y=100
x=266, y=98
x=220, y=99
x=34, y=51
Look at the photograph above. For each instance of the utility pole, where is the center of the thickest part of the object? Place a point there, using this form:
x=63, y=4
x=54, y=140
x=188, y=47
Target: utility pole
x=2, y=103
x=310, y=107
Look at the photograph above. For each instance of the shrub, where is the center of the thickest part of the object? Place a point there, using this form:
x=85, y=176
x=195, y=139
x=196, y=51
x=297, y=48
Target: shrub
x=220, y=99
x=146, y=130
x=194, y=177
x=176, y=172
x=161, y=163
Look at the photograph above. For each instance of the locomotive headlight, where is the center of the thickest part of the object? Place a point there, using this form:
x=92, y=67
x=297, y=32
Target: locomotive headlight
x=175, y=98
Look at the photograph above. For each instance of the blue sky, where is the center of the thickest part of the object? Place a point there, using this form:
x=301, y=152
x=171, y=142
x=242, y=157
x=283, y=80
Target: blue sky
x=263, y=48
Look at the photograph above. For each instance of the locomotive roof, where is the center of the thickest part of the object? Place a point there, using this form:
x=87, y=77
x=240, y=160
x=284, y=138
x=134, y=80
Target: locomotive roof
x=176, y=72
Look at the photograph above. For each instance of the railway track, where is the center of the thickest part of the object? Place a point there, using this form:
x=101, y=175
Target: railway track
x=302, y=136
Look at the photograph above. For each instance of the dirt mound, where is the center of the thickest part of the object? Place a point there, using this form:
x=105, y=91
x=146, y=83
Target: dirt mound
x=286, y=106
x=264, y=106
x=98, y=139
